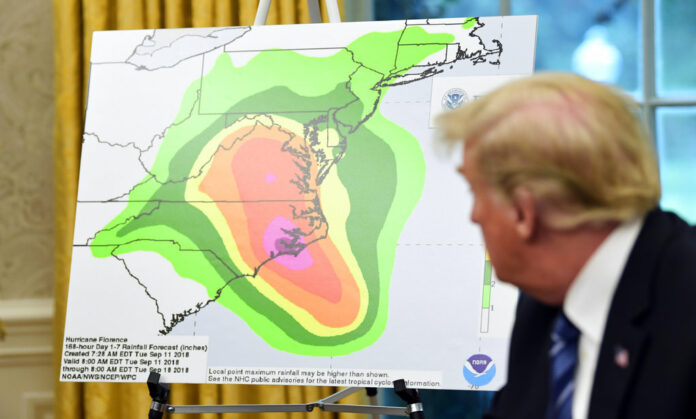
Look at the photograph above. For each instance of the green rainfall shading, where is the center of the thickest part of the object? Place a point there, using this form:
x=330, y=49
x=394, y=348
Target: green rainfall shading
x=379, y=163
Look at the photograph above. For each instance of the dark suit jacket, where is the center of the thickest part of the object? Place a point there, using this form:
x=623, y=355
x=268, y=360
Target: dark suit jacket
x=652, y=316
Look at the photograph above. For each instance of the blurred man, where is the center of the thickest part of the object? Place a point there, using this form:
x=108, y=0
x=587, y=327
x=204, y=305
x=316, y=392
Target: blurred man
x=566, y=188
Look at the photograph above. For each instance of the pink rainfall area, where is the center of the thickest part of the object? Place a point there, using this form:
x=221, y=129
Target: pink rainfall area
x=274, y=232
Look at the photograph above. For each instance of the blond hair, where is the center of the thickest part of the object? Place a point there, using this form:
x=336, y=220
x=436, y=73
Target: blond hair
x=577, y=145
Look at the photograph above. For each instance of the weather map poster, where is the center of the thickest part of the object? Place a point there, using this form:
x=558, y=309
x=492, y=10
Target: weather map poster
x=270, y=205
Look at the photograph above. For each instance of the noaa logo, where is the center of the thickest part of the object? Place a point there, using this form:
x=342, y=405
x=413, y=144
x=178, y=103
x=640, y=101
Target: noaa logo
x=479, y=370
x=454, y=98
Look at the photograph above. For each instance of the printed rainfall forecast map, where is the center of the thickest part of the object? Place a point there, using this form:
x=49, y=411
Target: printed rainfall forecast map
x=269, y=205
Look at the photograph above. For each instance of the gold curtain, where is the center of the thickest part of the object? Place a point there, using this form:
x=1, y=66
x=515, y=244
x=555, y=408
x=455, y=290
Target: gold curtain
x=74, y=22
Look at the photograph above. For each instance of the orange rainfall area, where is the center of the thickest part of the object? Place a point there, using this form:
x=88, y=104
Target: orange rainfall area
x=263, y=182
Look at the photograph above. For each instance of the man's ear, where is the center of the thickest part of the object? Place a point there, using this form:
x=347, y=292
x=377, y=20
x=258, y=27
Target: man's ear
x=526, y=212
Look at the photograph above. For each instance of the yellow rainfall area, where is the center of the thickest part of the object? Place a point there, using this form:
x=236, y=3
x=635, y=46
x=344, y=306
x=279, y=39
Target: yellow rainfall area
x=335, y=205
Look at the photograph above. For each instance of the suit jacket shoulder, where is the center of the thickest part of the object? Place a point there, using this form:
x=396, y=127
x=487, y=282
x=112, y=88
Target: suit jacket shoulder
x=649, y=321
x=647, y=361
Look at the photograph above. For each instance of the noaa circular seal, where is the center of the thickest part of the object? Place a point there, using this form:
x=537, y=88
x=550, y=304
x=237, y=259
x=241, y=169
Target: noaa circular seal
x=479, y=370
x=454, y=98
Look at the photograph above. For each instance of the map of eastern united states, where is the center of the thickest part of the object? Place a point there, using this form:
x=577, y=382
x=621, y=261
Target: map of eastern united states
x=282, y=189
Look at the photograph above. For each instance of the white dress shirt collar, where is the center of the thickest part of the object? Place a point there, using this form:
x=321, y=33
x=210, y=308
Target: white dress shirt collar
x=589, y=297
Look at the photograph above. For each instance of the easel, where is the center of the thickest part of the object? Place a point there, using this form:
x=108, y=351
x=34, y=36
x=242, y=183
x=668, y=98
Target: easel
x=314, y=15
x=159, y=392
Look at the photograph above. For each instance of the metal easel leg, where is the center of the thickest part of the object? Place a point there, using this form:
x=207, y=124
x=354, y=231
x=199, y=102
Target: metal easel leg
x=411, y=397
x=327, y=404
x=372, y=396
x=332, y=11
x=314, y=13
x=262, y=12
